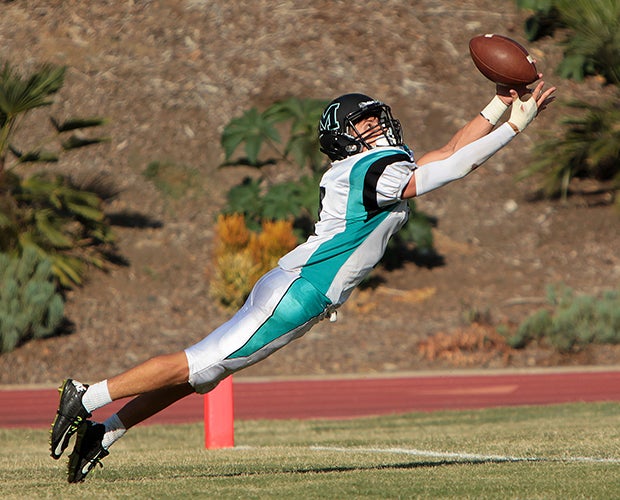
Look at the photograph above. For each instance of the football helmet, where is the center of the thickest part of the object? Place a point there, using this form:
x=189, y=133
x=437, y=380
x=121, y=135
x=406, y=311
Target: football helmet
x=338, y=136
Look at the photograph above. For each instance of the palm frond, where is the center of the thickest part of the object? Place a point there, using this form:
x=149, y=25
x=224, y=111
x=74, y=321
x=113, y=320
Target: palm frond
x=19, y=95
x=588, y=147
x=77, y=123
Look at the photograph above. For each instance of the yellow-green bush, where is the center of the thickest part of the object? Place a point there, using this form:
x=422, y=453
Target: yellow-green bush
x=241, y=256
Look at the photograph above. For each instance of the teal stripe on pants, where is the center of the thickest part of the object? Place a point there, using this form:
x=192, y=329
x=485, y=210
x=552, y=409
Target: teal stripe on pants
x=300, y=304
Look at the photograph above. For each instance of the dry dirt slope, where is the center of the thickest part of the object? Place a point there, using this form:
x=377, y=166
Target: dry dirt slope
x=169, y=75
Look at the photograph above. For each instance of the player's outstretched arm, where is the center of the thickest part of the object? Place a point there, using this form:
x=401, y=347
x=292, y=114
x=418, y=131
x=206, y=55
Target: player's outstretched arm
x=436, y=171
x=484, y=122
x=472, y=131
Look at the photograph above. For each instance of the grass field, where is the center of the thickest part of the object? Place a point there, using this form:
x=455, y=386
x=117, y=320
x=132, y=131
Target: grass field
x=564, y=452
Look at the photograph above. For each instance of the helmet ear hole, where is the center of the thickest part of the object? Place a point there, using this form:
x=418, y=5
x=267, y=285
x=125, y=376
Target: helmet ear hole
x=339, y=146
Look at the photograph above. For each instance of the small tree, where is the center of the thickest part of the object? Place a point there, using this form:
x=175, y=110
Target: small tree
x=52, y=214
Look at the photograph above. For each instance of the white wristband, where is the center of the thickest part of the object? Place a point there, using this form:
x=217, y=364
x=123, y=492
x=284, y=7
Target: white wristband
x=494, y=110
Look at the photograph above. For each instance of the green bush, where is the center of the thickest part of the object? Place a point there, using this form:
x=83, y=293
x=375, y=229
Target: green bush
x=572, y=321
x=260, y=200
x=30, y=306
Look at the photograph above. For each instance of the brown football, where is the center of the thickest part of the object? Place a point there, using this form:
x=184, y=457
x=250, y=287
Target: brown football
x=502, y=60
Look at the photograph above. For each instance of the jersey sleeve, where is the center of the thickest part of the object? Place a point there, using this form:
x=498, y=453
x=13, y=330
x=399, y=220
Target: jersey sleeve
x=386, y=178
x=393, y=181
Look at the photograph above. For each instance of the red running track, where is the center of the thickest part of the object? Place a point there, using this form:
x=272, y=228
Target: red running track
x=348, y=397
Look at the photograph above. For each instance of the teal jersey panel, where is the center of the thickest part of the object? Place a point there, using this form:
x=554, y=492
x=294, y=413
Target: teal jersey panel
x=299, y=304
x=326, y=261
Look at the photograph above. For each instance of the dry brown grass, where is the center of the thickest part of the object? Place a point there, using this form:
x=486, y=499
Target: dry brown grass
x=475, y=345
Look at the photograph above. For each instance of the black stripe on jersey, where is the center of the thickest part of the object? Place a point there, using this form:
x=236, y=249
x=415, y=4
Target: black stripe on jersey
x=372, y=178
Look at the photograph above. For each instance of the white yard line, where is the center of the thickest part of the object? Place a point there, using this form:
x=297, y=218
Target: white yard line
x=464, y=456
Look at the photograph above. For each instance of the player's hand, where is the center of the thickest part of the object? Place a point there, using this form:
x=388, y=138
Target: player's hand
x=543, y=98
x=503, y=92
x=524, y=111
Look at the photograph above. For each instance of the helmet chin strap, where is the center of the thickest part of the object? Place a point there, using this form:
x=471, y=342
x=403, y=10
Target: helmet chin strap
x=382, y=141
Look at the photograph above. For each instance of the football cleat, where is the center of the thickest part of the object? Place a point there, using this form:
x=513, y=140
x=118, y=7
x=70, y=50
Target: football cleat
x=87, y=452
x=70, y=415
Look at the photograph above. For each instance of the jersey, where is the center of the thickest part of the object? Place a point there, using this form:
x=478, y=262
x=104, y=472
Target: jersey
x=361, y=208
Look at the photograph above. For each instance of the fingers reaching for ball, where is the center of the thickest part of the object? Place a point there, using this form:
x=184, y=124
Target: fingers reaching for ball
x=543, y=97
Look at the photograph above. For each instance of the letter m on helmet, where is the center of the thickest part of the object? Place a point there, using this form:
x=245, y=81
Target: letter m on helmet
x=329, y=119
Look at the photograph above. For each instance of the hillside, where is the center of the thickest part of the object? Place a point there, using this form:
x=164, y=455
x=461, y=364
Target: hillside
x=170, y=74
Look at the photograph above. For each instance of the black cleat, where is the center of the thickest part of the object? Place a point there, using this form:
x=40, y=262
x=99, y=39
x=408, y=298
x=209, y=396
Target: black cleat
x=87, y=452
x=70, y=415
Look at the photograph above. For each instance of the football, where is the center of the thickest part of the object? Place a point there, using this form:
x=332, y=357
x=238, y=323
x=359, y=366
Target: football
x=502, y=60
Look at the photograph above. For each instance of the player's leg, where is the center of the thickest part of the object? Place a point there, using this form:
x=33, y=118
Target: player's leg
x=78, y=401
x=281, y=307
x=157, y=373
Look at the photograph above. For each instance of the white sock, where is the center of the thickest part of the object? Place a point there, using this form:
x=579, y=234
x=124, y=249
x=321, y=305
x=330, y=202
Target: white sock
x=114, y=430
x=96, y=396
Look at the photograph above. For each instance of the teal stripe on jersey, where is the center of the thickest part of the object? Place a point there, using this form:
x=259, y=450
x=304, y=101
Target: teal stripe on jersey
x=324, y=264
x=300, y=304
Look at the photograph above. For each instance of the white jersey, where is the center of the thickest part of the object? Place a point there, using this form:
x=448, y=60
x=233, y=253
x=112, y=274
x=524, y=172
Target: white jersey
x=361, y=208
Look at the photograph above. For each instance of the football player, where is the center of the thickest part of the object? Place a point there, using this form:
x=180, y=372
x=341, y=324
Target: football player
x=363, y=203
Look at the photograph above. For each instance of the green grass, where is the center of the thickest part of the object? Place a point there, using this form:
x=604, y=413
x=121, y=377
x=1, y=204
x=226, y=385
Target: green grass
x=361, y=458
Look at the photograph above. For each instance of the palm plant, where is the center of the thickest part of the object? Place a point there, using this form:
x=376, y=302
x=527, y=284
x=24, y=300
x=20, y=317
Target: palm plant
x=61, y=220
x=589, y=145
x=594, y=44
x=256, y=129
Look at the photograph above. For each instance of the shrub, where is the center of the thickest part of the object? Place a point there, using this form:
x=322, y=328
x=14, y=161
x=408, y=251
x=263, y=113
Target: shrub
x=572, y=322
x=58, y=219
x=30, y=307
x=593, y=44
x=275, y=239
x=475, y=345
x=533, y=328
x=241, y=256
